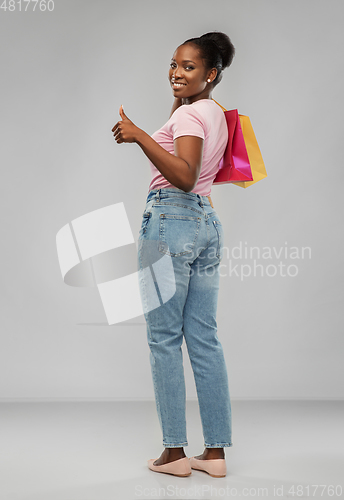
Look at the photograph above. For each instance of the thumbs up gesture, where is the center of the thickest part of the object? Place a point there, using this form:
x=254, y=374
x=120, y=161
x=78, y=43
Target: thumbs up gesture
x=125, y=130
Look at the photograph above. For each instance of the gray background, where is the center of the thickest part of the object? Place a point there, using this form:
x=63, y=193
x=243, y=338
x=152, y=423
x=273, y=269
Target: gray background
x=64, y=75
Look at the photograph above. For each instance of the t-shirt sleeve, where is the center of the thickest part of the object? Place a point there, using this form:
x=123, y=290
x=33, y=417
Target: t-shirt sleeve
x=186, y=121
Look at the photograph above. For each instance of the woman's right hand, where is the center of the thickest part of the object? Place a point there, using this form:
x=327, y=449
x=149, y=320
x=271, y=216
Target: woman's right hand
x=125, y=130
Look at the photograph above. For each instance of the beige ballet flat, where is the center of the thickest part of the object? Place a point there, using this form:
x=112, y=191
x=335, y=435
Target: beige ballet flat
x=215, y=467
x=179, y=467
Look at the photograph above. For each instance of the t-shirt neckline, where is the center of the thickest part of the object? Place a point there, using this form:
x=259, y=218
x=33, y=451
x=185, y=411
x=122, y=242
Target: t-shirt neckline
x=205, y=99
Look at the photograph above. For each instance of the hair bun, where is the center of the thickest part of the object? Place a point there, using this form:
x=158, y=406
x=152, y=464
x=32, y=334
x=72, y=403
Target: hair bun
x=224, y=45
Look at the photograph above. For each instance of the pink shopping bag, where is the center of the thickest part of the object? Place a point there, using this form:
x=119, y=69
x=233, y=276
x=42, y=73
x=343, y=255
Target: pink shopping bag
x=235, y=163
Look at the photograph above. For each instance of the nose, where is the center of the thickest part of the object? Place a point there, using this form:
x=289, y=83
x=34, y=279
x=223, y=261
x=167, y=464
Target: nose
x=177, y=73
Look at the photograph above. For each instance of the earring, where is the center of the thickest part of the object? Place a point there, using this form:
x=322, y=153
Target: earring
x=208, y=80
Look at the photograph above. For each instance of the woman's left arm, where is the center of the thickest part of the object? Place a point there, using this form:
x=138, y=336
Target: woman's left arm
x=181, y=169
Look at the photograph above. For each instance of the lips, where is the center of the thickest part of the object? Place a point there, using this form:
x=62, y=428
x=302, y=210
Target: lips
x=177, y=85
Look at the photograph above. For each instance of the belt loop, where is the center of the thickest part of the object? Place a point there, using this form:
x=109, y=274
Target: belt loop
x=158, y=195
x=211, y=203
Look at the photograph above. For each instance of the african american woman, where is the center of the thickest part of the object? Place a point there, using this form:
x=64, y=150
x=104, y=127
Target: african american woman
x=179, y=254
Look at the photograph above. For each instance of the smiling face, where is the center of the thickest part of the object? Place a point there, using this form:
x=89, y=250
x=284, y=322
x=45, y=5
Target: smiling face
x=188, y=75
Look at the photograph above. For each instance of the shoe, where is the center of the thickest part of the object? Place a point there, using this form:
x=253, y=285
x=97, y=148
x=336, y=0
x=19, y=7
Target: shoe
x=215, y=467
x=180, y=467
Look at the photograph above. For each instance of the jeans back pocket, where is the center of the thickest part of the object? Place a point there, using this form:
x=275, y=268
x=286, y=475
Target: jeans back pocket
x=178, y=234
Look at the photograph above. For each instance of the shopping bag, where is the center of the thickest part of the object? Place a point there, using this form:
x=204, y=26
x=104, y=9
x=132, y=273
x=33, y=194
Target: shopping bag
x=239, y=155
x=235, y=164
x=253, y=151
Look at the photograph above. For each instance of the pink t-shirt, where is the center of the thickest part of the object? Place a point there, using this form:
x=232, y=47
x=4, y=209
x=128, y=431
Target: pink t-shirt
x=205, y=119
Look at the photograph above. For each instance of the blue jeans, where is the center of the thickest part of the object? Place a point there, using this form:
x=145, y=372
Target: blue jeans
x=182, y=233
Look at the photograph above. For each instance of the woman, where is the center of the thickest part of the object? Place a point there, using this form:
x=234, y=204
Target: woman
x=180, y=220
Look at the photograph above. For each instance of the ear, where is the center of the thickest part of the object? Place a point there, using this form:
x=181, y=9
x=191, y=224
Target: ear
x=212, y=75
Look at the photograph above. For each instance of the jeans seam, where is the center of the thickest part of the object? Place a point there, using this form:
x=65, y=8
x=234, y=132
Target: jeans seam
x=217, y=445
x=164, y=204
x=218, y=253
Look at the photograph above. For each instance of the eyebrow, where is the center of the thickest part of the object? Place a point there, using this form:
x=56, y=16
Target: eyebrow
x=185, y=60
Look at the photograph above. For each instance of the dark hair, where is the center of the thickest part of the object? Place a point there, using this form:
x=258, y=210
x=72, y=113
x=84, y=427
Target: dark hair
x=217, y=51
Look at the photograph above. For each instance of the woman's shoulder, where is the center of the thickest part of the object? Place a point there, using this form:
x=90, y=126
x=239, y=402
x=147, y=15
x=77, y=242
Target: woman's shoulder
x=208, y=105
x=200, y=108
x=208, y=109
x=186, y=111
